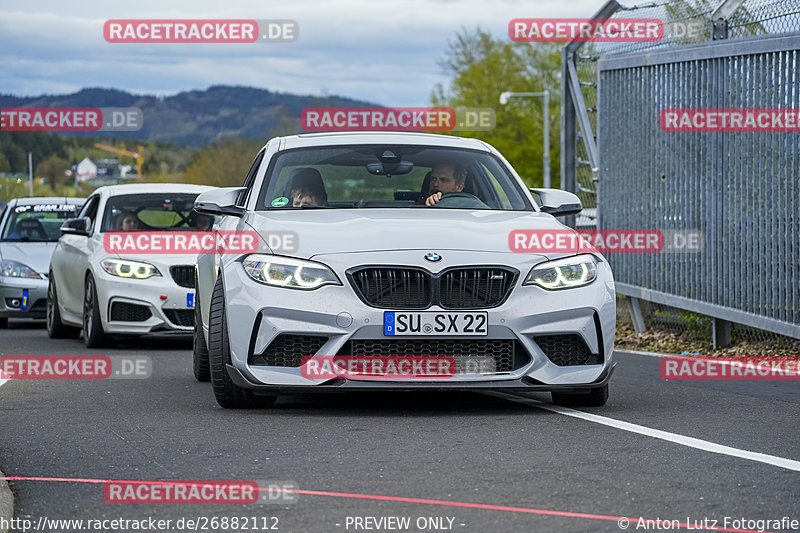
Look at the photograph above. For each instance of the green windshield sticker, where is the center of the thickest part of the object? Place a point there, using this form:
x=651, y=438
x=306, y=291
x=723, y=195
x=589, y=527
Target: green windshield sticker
x=280, y=201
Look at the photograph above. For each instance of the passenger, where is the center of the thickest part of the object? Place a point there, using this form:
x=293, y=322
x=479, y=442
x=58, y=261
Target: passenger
x=305, y=188
x=445, y=178
x=127, y=222
x=305, y=195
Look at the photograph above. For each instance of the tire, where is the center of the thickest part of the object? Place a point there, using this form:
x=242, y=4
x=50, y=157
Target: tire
x=594, y=398
x=199, y=348
x=93, y=334
x=4, y=322
x=56, y=329
x=227, y=393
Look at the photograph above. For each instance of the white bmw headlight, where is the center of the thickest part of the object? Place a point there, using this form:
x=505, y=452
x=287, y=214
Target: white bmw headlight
x=564, y=273
x=13, y=269
x=287, y=272
x=129, y=269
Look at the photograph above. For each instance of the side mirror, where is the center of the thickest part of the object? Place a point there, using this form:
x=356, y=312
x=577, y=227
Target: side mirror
x=557, y=202
x=220, y=202
x=76, y=226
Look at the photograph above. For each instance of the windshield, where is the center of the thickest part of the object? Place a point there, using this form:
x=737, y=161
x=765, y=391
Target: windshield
x=37, y=223
x=389, y=177
x=154, y=212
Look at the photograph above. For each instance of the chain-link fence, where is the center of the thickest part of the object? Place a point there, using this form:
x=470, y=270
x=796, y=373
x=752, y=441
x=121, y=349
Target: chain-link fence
x=685, y=23
x=673, y=330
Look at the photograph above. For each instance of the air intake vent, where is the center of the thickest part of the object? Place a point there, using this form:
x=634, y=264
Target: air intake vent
x=180, y=317
x=183, y=275
x=288, y=350
x=393, y=288
x=475, y=288
x=416, y=288
x=508, y=354
x=127, y=312
x=567, y=350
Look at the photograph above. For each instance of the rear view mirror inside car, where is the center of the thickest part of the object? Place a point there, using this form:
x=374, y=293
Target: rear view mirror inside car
x=390, y=169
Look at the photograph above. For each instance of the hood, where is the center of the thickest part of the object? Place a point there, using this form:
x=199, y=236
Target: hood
x=331, y=231
x=34, y=254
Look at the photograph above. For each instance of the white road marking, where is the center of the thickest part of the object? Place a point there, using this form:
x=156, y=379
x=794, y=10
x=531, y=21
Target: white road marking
x=691, y=442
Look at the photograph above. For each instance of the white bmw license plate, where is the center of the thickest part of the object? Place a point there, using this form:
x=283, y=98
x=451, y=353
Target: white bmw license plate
x=435, y=323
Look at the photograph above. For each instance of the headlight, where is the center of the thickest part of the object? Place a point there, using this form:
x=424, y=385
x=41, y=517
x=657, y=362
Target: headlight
x=12, y=269
x=287, y=272
x=129, y=269
x=564, y=273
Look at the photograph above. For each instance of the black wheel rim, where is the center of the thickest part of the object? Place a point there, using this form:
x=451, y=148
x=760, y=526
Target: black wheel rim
x=88, y=308
x=50, y=295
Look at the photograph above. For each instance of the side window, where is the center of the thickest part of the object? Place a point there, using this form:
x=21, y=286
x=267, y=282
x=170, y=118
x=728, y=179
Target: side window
x=500, y=199
x=90, y=209
x=251, y=177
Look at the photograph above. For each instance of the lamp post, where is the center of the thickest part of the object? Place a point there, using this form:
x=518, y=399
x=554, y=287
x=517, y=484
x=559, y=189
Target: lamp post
x=546, y=95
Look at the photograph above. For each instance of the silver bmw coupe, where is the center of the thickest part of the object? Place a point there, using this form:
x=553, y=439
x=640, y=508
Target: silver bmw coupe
x=380, y=253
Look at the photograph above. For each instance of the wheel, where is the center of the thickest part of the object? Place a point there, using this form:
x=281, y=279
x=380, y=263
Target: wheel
x=227, y=393
x=55, y=328
x=4, y=322
x=93, y=334
x=199, y=348
x=594, y=398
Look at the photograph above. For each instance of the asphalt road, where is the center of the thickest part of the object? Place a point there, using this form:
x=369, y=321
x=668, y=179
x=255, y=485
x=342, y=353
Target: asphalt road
x=492, y=463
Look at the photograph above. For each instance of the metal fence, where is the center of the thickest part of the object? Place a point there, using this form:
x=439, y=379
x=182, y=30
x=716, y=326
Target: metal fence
x=741, y=190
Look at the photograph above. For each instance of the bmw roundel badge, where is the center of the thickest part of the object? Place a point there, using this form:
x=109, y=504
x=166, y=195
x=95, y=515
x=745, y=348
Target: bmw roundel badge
x=432, y=257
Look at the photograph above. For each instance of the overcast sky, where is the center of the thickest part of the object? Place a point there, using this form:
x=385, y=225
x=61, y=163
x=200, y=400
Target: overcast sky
x=375, y=50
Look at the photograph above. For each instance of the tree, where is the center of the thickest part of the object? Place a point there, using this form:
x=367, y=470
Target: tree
x=52, y=169
x=223, y=164
x=4, y=165
x=481, y=68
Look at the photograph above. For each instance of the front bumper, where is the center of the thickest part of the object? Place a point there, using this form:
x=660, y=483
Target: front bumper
x=126, y=304
x=12, y=303
x=257, y=314
x=524, y=384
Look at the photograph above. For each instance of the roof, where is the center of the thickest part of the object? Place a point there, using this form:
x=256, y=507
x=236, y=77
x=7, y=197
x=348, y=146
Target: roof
x=378, y=137
x=142, y=188
x=35, y=200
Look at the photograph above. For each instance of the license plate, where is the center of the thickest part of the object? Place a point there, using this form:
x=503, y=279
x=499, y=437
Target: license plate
x=190, y=300
x=435, y=324
x=24, y=299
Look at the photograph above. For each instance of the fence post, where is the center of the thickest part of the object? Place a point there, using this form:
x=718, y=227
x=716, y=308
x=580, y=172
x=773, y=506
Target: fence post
x=721, y=333
x=571, y=100
x=636, y=315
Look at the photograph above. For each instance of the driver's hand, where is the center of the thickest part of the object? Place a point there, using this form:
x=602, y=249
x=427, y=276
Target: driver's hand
x=433, y=199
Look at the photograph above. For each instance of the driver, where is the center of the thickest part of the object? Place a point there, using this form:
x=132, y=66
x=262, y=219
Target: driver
x=445, y=178
x=127, y=222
